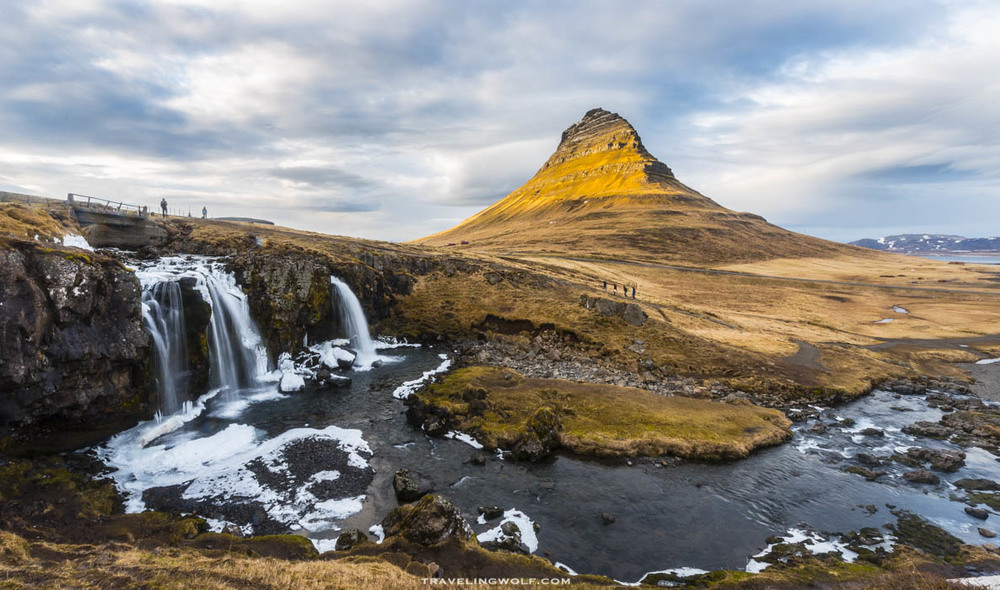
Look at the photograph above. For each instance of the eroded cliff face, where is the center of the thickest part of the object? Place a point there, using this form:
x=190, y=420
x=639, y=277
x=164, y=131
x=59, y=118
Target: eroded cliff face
x=73, y=351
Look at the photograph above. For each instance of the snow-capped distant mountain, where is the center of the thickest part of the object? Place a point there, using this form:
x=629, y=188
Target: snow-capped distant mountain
x=930, y=243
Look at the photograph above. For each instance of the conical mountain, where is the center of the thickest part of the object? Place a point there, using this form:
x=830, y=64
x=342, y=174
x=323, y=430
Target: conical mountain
x=602, y=194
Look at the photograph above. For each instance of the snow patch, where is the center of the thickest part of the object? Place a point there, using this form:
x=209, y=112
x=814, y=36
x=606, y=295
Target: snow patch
x=988, y=361
x=524, y=524
x=463, y=437
x=76, y=241
x=408, y=388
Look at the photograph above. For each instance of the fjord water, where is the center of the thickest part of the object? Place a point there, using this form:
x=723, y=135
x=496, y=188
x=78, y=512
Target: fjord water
x=667, y=514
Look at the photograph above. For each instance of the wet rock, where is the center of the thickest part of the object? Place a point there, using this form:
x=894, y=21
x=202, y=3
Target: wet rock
x=410, y=485
x=867, y=459
x=479, y=458
x=979, y=513
x=944, y=461
x=541, y=437
x=73, y=350
x=872, y=432
x=929, y=430
x=921, y=476
x=846, y=422
x=491, y=512
x=349, y=539
x=986, y=533
x=607, y=518
x=991, y=548
x=345, y=363
x=984, y=485
x=819, y=428
x=869, y=474
x=508, y=540
x=428, y=522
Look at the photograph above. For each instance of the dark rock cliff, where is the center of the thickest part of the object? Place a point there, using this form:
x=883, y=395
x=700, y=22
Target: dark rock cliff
x=73, y=351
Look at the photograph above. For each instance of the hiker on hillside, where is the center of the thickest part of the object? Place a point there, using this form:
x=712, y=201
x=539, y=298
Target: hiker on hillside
x=605, y=286
x=615, y=287
x=163, y=206
x=204, y=212
x=633, y=291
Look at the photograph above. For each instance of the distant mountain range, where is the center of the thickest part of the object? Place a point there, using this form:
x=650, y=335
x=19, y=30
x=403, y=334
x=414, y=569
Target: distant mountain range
x=910, y=243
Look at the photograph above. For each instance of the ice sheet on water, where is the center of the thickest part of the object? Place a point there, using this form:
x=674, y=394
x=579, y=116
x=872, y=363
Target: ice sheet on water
x=224, y=467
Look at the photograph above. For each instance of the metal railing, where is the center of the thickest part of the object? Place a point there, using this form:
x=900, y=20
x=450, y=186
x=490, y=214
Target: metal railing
x=97, y=203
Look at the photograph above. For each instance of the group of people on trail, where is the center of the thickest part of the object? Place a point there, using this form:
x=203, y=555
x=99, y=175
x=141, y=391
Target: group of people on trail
x=163, y=208
x=625, y=289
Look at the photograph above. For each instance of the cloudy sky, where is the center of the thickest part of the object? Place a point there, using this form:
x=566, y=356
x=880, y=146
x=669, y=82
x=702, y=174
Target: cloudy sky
x=396, y=119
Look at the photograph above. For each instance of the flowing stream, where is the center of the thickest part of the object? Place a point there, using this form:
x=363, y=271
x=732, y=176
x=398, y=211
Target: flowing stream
x=321, y=460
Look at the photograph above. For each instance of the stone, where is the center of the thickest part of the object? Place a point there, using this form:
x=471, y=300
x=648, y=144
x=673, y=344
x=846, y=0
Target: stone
x=73, y=350
x=979, y=513
x=541, y=436
x=491, y=512
x=986, y=533
x=607, y=518
x=872, y=432
x=945, y=461
x=410, y=485
x=428, y=522
x=866, y=459
x=349, y=539
x=979, y=485
x=921, y=476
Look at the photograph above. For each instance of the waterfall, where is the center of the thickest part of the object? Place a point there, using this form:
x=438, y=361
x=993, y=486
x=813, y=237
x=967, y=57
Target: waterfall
x=352, y=317
x=237, y=357
x=163, y=312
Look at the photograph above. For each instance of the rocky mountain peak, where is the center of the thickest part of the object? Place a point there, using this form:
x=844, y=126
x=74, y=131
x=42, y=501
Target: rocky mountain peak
x=609, y=137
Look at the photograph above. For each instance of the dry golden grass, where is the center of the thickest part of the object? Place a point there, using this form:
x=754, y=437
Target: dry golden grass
x=605, y=420
x=23, y=221
x=117, y=565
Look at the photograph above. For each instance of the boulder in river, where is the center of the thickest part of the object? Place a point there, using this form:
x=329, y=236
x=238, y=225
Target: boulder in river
x=979, y=513
x=410, y=485
x=986, y=533
x=350, y=539
x=491, y=512
x=945, y=461
x=428, y=522
x=921, y=476
x=978, y=485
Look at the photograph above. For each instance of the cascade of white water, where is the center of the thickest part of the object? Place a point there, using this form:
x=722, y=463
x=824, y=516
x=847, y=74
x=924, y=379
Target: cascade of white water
x=163, y=312
x=352, y=317
x=237, y=357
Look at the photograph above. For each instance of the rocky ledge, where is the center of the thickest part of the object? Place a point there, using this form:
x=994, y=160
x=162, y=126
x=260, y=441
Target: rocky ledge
x=73, y=352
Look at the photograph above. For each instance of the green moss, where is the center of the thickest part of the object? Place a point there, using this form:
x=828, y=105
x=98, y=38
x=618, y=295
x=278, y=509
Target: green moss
x=991, y=500
x=917, y=532
x=501, y=408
